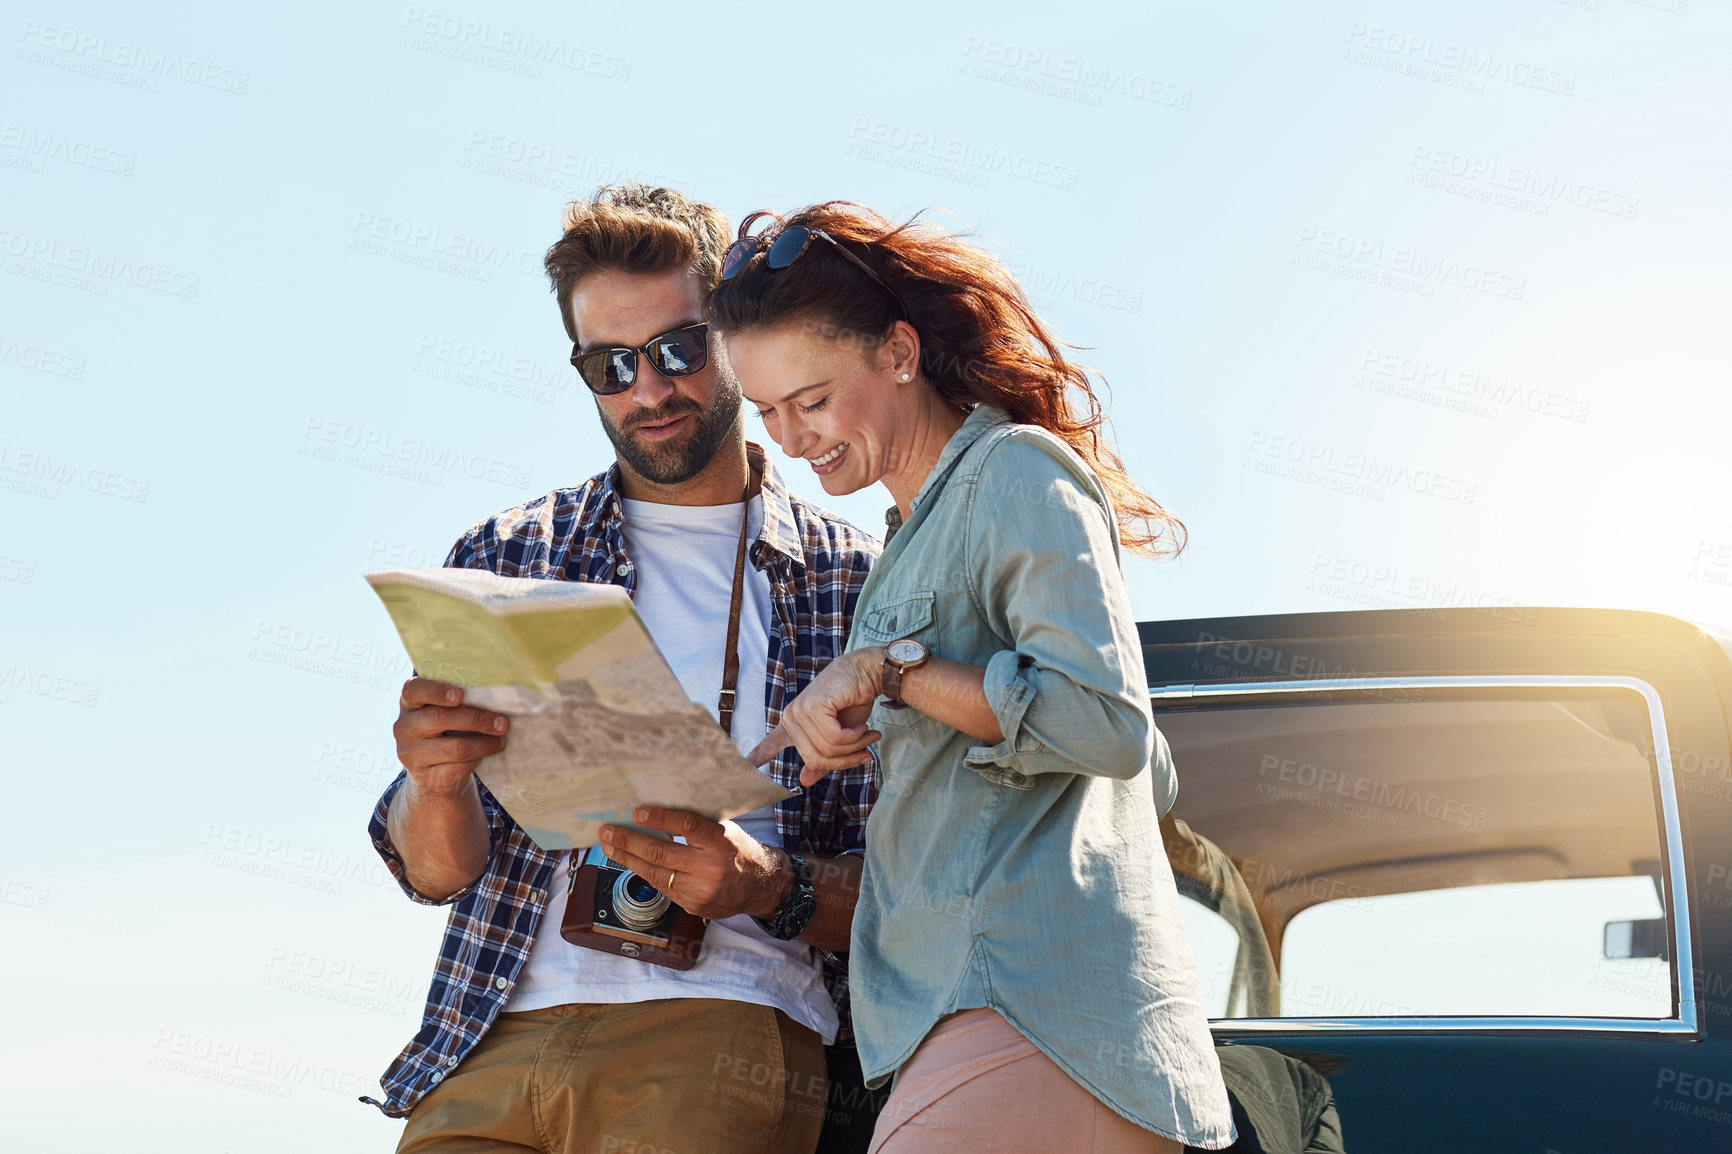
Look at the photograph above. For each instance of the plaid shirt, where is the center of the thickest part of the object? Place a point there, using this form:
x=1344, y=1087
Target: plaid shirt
x=816, y=563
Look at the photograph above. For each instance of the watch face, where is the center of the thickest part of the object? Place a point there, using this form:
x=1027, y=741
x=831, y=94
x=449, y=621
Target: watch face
x=905, y=651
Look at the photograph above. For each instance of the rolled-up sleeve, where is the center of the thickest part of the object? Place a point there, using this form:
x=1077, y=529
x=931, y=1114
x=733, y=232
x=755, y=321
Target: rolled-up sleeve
x=378, y=828
x=1043, y=570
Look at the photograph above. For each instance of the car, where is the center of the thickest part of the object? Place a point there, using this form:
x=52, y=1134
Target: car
x=1457, y=879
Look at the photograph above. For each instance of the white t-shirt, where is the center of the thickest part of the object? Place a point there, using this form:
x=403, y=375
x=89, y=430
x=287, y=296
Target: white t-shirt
x=685, y=580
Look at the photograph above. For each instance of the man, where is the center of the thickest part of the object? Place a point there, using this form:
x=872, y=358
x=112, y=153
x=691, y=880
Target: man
x=528, y=1041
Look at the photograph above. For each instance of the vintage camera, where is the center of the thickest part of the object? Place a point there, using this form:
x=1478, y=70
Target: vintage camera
x=616, y=911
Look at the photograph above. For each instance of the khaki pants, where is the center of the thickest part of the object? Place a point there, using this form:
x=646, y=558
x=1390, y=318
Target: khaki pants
x=685, y=1076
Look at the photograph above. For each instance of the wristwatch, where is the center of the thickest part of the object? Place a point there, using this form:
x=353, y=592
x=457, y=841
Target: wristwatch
x=899, y=657
x=795, y=913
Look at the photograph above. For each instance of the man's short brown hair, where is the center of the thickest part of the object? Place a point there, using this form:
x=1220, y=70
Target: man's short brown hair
x=635, y=228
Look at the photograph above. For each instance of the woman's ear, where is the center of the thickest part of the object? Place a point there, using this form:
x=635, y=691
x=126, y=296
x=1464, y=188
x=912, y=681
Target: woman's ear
x=900, y=353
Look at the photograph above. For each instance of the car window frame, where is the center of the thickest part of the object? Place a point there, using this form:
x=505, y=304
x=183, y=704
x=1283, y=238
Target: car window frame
x=1677, y=909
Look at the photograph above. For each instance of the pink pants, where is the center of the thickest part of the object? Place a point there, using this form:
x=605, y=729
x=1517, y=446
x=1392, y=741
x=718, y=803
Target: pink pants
x=975, y=1083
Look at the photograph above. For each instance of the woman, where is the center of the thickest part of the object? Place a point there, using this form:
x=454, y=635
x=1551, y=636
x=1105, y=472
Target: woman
x=1018, y=958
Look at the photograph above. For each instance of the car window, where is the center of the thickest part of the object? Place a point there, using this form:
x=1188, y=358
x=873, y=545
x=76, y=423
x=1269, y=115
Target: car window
x=1216, y=945
x=1521, y=949
x=1452, y=852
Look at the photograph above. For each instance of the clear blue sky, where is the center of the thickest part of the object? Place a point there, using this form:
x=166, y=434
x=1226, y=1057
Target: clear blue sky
x=1401, y=304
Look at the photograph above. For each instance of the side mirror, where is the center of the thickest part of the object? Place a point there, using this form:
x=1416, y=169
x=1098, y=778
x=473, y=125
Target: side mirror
x=1638, y=939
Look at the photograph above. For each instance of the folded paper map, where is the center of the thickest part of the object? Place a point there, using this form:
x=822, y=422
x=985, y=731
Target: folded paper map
x=600, y=724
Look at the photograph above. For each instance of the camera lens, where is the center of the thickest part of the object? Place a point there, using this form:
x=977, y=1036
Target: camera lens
x=637, y=903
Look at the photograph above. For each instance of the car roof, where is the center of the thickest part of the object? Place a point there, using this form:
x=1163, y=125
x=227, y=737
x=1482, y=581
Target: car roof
x=1421, y=621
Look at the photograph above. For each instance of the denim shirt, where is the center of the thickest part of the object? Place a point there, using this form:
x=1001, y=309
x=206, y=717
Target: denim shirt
x=1028, y=876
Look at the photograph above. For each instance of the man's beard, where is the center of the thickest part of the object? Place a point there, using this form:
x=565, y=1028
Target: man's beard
x=679, y=460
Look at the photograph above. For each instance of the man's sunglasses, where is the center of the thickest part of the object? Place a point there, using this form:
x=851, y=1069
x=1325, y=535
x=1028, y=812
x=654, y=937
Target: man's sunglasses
x=675, y=353
x=790, y=244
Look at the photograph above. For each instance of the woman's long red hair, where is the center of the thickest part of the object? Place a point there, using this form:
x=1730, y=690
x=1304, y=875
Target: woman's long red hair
x=980, y=338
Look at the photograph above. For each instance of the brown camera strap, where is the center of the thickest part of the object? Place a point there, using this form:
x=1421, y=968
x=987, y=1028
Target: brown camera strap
x=731, y=658
x=730, y=663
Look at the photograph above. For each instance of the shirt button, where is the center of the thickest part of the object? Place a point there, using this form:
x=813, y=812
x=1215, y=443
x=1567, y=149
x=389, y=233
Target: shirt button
x=451, y=1061
x=500, y=983
x=438, y=1076
x=622, y=568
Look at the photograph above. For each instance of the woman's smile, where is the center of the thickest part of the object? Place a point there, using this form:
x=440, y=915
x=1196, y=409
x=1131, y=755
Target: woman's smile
x=829, y=462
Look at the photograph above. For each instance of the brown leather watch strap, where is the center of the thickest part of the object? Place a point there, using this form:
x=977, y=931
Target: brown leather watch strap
x=890, y=685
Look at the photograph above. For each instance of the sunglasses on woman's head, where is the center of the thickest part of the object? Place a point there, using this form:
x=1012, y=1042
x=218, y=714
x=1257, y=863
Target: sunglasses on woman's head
x=790, y=244
x=675, y=353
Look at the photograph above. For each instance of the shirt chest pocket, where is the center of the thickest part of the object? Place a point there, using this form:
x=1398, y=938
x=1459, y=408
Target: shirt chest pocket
x=906, y=617
x=909, y=616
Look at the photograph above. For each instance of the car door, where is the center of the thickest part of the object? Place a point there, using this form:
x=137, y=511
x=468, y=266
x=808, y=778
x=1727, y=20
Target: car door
x=1458, y=880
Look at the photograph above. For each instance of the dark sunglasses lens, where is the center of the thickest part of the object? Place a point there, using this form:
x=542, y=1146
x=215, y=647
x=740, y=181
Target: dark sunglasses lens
x=788, y=247
x=621, y=370
x=681, y=354
x=737, y=256
x=608, y=371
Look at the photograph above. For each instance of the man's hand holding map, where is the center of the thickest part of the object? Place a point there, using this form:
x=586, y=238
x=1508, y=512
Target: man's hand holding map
x=600, y=725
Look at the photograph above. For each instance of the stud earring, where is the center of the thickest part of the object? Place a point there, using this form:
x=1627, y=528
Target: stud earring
x=905, y=376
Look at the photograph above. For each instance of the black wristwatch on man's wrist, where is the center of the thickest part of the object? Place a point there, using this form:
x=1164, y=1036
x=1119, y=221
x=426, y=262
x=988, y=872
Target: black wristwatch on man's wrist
x=797, y=909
